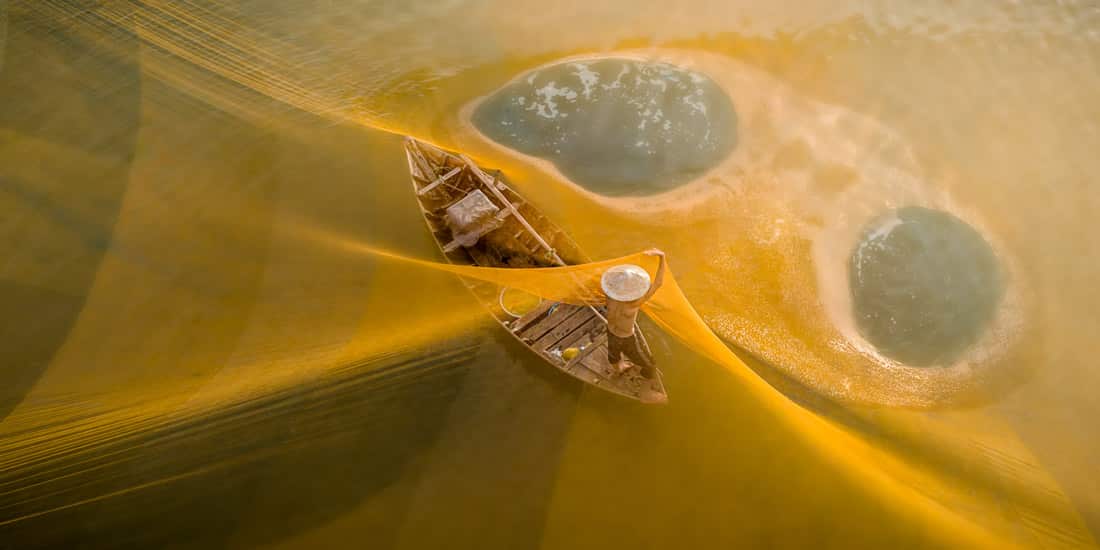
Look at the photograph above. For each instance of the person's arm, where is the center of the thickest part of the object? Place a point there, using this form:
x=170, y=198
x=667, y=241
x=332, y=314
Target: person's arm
x=660, y=277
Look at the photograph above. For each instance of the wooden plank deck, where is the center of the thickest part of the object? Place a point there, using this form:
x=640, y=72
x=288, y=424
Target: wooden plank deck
x=553, y=319
x=596, y=361
x=564, y=330
x=583, y=335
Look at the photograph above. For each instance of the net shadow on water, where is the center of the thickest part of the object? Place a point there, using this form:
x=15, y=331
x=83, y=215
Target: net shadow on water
x=303, y=454
x=489, y=480
x=91, y=99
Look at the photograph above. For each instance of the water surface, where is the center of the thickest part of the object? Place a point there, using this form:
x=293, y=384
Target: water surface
x=195, y=353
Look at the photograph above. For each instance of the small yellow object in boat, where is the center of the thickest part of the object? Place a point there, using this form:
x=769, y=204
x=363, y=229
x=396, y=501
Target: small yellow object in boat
x=569, y=353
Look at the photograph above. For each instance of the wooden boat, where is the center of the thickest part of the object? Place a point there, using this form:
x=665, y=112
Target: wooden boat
x=477, y=219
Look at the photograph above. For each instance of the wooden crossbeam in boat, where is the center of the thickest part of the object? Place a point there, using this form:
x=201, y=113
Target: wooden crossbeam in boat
x=528, y=242
x=438, y=181
x=491, y=183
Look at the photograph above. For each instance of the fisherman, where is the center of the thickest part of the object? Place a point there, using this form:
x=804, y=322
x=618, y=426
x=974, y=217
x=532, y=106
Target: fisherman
x=627, y=287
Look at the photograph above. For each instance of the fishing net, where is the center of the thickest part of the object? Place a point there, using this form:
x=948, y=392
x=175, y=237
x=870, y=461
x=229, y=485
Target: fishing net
x=218, y=289
x=905, y=483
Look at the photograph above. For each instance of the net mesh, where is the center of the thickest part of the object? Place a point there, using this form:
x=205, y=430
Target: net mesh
x=185, y=191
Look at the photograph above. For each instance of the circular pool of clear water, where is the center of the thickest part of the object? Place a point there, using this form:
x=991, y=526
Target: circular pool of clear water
x=615, y=126
x=925, y=285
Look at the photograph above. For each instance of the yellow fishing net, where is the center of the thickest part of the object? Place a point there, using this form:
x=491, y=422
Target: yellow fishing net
x=902, y=484
x=223, y=317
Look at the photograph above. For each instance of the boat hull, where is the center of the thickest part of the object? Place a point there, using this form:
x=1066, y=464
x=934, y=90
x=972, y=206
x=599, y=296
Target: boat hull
x=478, y=220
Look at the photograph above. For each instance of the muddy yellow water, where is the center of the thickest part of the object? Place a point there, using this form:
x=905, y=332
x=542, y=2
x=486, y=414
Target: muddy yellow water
x=222, y=326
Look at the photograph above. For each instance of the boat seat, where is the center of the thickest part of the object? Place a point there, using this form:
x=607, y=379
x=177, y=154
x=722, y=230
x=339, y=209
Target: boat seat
x=439, y=181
